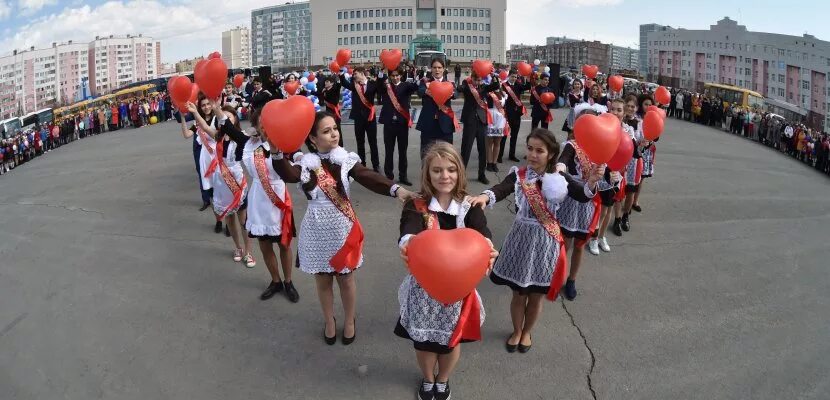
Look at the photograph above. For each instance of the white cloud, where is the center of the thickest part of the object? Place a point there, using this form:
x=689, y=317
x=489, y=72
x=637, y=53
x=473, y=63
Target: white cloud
x=5, y=9
x=571, y=18
x=29, y=7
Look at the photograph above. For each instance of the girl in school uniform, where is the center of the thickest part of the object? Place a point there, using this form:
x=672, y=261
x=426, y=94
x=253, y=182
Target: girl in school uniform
x=632, y=124
x=532, y=259
x=205, y=145
x=610, y=198
x=497, y=128
x=437, y=330
x=647, y=150
x=331, y=238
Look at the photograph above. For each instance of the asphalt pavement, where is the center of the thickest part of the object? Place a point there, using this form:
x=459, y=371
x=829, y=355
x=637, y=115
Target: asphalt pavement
x=114, y=286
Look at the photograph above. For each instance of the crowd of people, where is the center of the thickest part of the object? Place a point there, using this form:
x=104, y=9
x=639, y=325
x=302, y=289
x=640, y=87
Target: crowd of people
x=564, y=201
x=25, y=145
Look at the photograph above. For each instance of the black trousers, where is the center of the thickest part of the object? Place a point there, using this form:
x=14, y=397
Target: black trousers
x=535, y=122
x=514, y=137
x=393, y=132
x=474, y=131
x=427, y=139
x=367, y=130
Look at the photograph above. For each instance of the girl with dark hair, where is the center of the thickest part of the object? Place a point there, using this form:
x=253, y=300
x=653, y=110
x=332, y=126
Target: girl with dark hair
x=331, y=237
x=533, y=262
x=203, y=149
x=645, y=149
x=633, y=171
x=328, y=90
x=648, y=150
x=282, y=94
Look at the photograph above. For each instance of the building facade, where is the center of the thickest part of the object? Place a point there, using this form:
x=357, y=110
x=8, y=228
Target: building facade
x=645, y=29
x=624, y=59
x=463, y=29
x=187, y=66
x=790, y=70
x=118, y=61
x=281, y=36
x=568, y=54
x=236, y=47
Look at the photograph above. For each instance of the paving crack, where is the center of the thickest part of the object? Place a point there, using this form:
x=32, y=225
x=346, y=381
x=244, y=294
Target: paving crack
x=67, y=208
x=587, y=346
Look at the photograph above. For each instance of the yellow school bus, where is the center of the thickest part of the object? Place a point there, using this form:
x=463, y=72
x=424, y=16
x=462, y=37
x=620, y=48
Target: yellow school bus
x=744, y=98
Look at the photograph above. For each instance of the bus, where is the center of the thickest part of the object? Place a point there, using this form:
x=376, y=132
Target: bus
x=10, y=127
x=739, y=96
x=37, y=118
x=424, y=58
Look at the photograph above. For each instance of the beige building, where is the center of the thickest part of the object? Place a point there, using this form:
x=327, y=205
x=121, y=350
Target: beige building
x=188, y=65
x=236, y=47
x=463, y=29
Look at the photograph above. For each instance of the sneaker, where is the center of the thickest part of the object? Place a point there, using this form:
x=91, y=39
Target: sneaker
x=426, y=391
x=570, y=290
x=442, y=391
x=249, y=261
x=237, y=255
x=616, y=228
x=603, y=245
x=593, y=246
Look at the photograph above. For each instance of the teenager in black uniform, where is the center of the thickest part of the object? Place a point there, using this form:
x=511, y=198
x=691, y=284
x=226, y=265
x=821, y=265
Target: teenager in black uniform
x=396, y=119
x=540, y=115
x=474, y=116
x=363, y=114
x=433, y=123
x=515, y=110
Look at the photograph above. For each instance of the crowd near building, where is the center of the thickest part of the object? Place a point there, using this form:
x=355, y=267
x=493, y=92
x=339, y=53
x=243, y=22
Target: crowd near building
x=573, y=53
x=790, y=71
x=34, y=79
x=236, y=47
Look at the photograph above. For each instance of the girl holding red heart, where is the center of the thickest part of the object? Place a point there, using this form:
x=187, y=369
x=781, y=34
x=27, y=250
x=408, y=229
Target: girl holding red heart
x=533, y=260
x=436, y=329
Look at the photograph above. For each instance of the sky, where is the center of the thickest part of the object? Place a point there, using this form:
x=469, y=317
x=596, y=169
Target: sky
x=190, y=28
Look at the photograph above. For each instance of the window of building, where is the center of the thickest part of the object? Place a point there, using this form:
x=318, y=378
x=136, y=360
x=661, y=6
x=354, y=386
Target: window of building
x=358, y=27
x=390, y=38
x=443, y=12
x=365, y=13
x=444, y=38
x=487, y=27
x=469, y=12
x=408, y=12
x=377, y=26
x=397, y=12
x=371, y=39
x=383, y=25
x=454, y=12
x=371, y=26
x=377, y=39
x=469, y=40
x=351, y=14
x=475, y=39
x=371, y=13
x=805, y=85
x=351, y=40
x=339, y=15
x=443, y=26
x=383, y=13
x=358, y=40
x=487, y=39
x=383, y=38
x=409, y=37
x=481, y=27
x=340, y=28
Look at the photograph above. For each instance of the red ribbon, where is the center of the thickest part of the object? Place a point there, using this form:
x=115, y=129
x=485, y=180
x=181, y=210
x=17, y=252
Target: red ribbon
x=468, y=326
x=638, y=174
x=620, y=196
x=544, y=106
x=348, y=256
x=287, y=226
x=217, y=156
x=445, y=110
x=394, y=99
x=336, y=108
x=360, y=93
x=515, y=98
x=477, y=97
x=236, y=188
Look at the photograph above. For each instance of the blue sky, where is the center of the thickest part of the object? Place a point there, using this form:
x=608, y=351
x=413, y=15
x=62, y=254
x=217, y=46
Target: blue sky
x=189, y=28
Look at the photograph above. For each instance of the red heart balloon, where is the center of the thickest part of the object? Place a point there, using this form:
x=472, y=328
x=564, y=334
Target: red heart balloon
x=503, y=75
x=590, y=70
x=291, y=87
x=625, y=150
x=288, y=122
x=524, y=69
x=658, y=110
x=212, y=77
x=311, y=77
x=448, y=264
x=334, y=67
x=343, y=56
x=441, y=91
x=548, y=98
x=238, y=79
x=652, y=125
x=598, y=136
x=179, y=87
x=662, y=95
x=199, y=68
x=482, y=68
x=391, y=59
x=194, y=94
x=615, y=83
x=215, y=54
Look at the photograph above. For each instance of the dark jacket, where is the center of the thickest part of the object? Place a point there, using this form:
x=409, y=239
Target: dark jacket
x=403, y=92
x=513, y=110
x=432, y=121
x=472, y=110
x=359, y=110
x=537, y=111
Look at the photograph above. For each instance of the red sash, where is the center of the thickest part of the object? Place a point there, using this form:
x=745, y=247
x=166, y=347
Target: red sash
x=365, y=102
x=585, y=166
x=287, y=226
x=620, y=196
x=205, y=139
x=336, y=108
x=468, y=326
x=394, y=99
x=349, y=255
x=549, y=117
x=227, y=176
x=513, y=96
x=446, y=110
x=548, y=221
x=500, y=108
x=481, y=103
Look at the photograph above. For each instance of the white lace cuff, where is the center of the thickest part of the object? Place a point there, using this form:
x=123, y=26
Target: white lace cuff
x=393, y=190
x=277, y=156
x=404, y=240
x=588, y=192
x=491, y=202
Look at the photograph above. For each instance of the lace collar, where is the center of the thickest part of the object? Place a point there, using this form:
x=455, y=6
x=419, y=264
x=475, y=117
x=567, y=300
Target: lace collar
x=453, y=208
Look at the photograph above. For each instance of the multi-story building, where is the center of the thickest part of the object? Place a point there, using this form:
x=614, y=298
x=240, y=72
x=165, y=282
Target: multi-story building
x=624, y=59
x=645, y=29
x=236, y=47
x=188, y=65
x=118, y=61
x=281, y=36
x=463, y=29
x=559, y=39
x=567, y=53
x=791, y=71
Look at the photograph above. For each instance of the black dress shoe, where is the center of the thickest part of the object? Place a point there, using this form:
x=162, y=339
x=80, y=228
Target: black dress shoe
x=227, y=231
x=291, y=292
x=570, y=289
x=511, y=348
x=348, y=340
x=495, y=168
x=405, y=182
x=204, y=206
x=218, y=227
x=617, y=228
x=331, y=340
x=523, y=348
x=626, y=226
x=514, y=159
x=483, y=179
x=271, y=290
x=637, y=208
x=498, y=160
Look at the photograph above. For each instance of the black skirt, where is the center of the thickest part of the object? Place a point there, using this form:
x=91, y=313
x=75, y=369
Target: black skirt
x=524, y=291
x=431, y=347
x=607, y=197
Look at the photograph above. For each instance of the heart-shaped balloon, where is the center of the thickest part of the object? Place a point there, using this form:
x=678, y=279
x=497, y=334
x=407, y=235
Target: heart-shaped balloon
x=212, y=77
x=194, y=94
x=547, y=98
x=482, y=68
x=441, y=91
x=625, y=150
x=524, y=68
x=291, y=87
x=334, y=67
x=662, y=95
x=448, y=264
x=393, y=59
x=615, y=82
x=590, y=70
x=503, y=75
x=311, y=77
x=288, y=122
x=199, y=68
x=343, y=56
x=598, y=136
x=238, y=79
x=215, y=54
x=179, y=89
x=652, y=125
x=658, y=110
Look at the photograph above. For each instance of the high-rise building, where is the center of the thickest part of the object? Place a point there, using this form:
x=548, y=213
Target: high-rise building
x=645, y=29
x=119, y=61
x=236, y=47
x=463, y=29
x=570, y=54
x=789, y=71
x=624, y=59
x=281, y=36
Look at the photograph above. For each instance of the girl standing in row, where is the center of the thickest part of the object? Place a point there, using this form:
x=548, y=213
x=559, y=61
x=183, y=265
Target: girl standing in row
x=634, y=169
x=203, y=148
x=610, y=198
x=498, y=128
